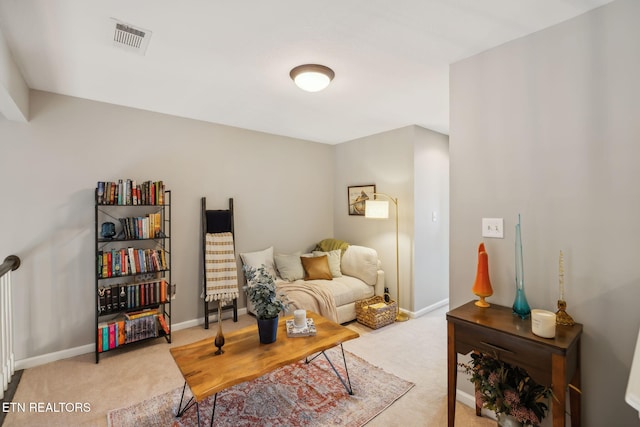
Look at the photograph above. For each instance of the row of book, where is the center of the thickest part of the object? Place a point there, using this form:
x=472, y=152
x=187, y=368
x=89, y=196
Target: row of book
x=118, y=297
x=131, y=328
x=128, y=192
x=129, y=261
x=142, y=227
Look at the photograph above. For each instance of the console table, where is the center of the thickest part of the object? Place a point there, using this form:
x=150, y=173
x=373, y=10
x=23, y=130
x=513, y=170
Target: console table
x=553, y=362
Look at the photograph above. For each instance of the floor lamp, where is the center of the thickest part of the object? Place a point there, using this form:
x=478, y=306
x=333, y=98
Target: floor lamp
x=380, y=209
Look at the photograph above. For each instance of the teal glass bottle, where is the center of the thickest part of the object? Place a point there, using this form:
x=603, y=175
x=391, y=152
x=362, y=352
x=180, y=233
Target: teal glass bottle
x=520, y=305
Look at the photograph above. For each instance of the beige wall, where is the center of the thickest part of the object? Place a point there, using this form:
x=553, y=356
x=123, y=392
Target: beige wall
x=403, y=163
x=547, y=127
x=282, y=188
x=431, y=219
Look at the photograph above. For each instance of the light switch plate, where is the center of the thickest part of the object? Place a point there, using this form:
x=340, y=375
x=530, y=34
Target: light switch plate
x=493, y=228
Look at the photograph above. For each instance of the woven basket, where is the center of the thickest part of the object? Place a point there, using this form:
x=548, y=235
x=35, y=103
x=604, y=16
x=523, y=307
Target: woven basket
x=375, y=313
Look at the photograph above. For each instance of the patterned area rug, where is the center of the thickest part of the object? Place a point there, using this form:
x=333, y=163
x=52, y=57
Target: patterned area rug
x=295, y=395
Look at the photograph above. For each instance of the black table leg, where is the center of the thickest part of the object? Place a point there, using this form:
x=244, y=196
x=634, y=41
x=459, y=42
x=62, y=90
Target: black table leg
x=187, y=405
x=347, y=383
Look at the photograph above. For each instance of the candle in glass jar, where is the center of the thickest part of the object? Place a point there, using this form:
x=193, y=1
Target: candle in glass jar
x=543, y=323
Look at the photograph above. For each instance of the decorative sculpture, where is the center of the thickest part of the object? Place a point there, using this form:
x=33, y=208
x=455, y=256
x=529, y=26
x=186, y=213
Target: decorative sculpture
x=482, y=285
x=562, y=317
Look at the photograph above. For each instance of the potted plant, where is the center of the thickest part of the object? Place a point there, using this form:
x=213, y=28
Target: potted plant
x=261, y=291
x=507, y=390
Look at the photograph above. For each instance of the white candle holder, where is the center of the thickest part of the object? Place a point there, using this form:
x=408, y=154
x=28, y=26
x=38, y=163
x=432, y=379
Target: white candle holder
x=300, y=318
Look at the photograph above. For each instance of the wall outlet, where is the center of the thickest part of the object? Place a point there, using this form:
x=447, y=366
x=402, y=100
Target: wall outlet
x=493, y=228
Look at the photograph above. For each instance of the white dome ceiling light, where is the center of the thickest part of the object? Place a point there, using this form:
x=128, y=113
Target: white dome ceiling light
x=312, y=77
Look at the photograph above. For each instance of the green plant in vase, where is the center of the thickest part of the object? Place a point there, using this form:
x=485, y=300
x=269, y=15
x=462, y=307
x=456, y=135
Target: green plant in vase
x=261, y=291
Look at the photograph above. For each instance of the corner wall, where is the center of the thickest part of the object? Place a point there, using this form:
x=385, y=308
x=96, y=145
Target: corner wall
x=431, y=221
x=547, y=127
x=411, y=164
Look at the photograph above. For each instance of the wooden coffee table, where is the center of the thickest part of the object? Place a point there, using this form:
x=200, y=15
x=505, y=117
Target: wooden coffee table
x=245, y=358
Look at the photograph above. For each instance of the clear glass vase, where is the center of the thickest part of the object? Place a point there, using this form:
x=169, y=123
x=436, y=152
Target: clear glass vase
x=520, y=305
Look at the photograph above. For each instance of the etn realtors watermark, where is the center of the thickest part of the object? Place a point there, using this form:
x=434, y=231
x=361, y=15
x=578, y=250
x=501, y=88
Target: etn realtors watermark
x=46, y=407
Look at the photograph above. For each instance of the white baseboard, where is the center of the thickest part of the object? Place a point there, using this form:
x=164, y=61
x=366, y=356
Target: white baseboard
x=469, y=400
x=32, y=362
x=200, y=321
x=428, y=309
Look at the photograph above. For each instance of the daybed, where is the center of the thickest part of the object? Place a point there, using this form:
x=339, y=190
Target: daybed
x=328, y=280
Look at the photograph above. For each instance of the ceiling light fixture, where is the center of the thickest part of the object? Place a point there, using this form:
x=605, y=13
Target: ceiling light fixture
x=312, y=77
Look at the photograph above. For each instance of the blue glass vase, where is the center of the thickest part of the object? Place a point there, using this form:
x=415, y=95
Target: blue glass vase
x=520, y=305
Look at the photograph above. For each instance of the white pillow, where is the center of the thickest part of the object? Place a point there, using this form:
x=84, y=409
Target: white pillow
x=257, y=259
x=361, y=262
x=289, y=266
x=334, y=261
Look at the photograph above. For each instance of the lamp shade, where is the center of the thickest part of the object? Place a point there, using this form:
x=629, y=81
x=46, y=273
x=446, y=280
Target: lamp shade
x=312, y=77
x=376, y=209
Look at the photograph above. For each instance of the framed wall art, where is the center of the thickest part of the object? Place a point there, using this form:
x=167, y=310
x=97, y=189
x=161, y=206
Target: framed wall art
x=357, y=194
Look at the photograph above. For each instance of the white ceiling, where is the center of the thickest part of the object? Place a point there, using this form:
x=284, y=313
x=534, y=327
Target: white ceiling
x=228, y=61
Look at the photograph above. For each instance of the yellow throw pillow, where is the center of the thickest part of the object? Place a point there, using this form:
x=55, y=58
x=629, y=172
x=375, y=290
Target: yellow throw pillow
x=316, y=268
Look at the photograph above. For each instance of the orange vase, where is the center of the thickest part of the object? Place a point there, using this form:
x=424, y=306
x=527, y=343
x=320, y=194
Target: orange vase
x=482, y=285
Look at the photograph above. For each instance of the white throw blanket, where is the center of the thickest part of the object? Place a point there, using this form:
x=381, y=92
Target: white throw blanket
x=309, y=296
x=221, y=271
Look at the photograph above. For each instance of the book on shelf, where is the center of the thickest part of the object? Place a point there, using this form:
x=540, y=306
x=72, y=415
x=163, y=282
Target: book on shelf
x=121, y=332
x=105, y=337
x=141, y=326
x=141, y=313
x=306, y=331
x=130, y=261
x=126, y=296
x=123, y=296
x=163, y=324
x=100, y=192
x=163, y=291
x=141, y=227
x=127, y=192
x=107, y=298
x=110, y=334
x=102, y=300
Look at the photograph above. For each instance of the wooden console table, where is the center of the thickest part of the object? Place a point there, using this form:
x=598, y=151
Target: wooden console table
x=553, y=362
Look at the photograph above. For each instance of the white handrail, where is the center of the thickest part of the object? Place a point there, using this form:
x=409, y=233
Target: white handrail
x=7, y=359
x=632, y=396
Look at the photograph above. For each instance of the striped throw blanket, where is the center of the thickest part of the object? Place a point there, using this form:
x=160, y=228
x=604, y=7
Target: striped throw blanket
x=221, y=272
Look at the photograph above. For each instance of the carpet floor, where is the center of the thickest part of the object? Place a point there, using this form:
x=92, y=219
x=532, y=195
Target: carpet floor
x=299, y=394
x=415, y=351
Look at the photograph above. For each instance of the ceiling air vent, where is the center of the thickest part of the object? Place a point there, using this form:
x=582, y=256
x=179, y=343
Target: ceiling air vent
x=131, y=38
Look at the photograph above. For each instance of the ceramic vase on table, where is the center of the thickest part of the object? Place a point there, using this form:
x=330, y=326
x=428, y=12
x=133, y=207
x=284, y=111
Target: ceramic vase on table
x=268, y=330
x=520, y=305
x=482, y=285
